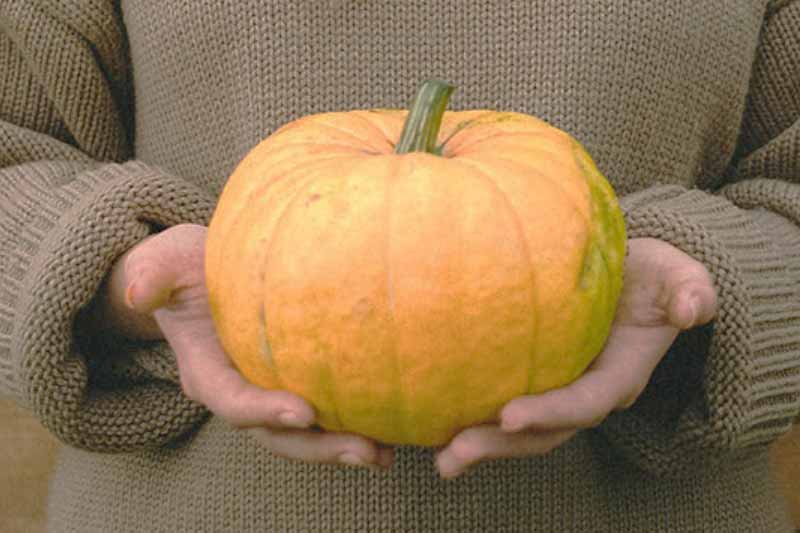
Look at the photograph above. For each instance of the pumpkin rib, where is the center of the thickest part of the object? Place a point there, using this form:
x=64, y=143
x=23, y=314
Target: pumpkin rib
x=274, y=177
x=239, y=198
x=460, y=125
x=390, y=298
x=300, y=193
x=542, y=156
x=388, y=122
x=381, y=133
x=257, y=192
x=338, y=128
x=592, y=238
x=224, y=229
x=471, y=143
x=478, y=294
x=602, y=195
x=524, y=245
x=479, y=164
x=298, y=190
x=542, y=175
x=607, y=232
x=602, y=192
x=551, y=152
x=316, y=121
x=340, y=148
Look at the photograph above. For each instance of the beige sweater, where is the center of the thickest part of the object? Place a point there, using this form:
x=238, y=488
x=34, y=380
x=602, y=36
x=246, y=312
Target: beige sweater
x=118, y=118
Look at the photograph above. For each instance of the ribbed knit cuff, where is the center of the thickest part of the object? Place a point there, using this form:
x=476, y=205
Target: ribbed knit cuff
x=734, y=384
x=114, y=401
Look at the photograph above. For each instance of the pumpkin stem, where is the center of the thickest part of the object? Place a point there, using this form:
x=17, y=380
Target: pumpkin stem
x=421, y=128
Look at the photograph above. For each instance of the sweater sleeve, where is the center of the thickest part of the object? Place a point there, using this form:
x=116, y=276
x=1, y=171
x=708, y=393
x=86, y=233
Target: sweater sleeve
x=72, y=201
x=734, y=385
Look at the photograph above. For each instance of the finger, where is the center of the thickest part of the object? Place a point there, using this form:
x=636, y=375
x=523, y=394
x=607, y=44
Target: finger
x=583, y=404
x=208, y=377
x=614, y=381
x=146, y=275
x=687, y=291
x=481, y=443
x=324, y=447
x=161, y=265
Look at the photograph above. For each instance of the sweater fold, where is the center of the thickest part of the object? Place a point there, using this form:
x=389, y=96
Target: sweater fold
x=746, y=369
x=64, y=237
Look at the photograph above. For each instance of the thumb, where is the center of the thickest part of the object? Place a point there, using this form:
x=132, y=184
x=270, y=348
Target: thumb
x=162, y=264
x=692, y=299
x=146, y=276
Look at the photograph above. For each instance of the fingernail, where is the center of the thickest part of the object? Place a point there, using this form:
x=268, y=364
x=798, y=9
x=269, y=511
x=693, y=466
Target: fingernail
x=128, y=295
x=292, y=419
x=694, y=308
x=351, y=459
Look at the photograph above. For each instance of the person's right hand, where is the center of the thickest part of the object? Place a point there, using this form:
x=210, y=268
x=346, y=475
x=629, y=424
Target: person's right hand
x=157, y=290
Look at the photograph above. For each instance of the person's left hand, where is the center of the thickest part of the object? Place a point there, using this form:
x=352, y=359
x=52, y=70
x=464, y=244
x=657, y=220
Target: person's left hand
x=665, y=291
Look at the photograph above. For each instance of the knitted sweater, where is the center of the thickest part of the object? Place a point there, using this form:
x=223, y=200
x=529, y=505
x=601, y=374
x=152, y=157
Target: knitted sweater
x=119, y=118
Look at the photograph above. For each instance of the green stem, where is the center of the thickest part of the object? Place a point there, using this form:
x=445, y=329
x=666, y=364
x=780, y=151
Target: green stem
x=425, y=118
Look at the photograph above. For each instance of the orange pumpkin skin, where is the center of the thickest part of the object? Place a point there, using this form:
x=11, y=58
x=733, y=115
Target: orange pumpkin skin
x=407, y=296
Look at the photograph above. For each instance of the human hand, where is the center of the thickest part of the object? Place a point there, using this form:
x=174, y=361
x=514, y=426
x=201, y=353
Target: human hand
x=665, y=291
x=157, y=290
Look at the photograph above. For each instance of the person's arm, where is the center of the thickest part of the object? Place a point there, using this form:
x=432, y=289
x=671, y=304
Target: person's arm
x=105, y=332
x=71, y=202
x=734, y=385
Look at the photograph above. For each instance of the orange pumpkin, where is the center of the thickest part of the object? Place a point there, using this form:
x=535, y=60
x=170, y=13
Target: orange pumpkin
x=410, y=273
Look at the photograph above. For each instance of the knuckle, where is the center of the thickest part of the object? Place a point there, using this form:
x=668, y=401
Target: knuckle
x=587, y=397
x=466, y=448
x=595, y=406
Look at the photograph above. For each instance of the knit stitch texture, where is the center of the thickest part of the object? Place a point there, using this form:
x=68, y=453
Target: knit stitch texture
x=120, y=118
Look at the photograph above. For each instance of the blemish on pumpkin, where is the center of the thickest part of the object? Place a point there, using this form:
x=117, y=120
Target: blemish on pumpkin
x=266, y=349
x=505, y=117
x=313, y=198
x=592, y=258
x=362, y=308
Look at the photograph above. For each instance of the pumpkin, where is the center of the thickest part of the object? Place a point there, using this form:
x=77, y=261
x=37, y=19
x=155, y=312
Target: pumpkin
x=409, y=273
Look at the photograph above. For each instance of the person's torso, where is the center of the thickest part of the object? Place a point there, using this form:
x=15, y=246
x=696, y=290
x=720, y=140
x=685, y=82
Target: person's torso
x=655, y=90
